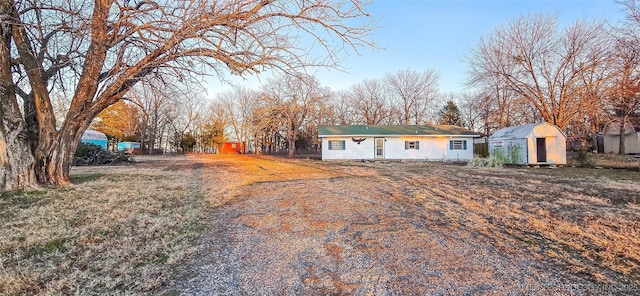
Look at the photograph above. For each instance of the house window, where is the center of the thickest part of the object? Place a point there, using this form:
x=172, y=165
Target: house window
x=337, y=145
x=411, y=145
x=458, y=145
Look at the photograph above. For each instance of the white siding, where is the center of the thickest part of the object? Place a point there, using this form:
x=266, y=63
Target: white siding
x=430, y=148
x=459, y=155
x=353, y=150
x=631, y=143
x=556, y=144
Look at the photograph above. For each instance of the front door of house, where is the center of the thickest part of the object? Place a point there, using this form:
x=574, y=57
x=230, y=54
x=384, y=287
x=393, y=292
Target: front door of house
x=541, y=149
x=379, y=147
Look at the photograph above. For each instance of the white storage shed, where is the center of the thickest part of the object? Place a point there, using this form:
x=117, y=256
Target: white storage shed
x=531, y=144
x=611, y=135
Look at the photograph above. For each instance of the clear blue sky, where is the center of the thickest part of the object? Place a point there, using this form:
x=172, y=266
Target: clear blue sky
x=422, y=34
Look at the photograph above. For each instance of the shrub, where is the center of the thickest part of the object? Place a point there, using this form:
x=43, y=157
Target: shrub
x=490, y=162
x=90, y=154
x=583, y=160
x=86, y=149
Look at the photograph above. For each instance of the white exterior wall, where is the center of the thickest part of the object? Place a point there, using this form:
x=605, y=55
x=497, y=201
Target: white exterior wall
x=556, y=145
x=430, y=148
x=556, y=150
x=353, y=150
x=631, y=143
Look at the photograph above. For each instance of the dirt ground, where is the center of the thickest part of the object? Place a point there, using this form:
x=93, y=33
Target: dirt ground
x=283, y=227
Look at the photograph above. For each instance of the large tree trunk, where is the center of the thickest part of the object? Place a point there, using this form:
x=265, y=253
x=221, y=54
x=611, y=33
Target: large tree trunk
x=621, y=146
x=16, y=160
x=255, y=145
x=291, y=135
x=53, y=164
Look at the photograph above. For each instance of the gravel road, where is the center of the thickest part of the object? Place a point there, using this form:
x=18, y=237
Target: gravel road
x=356, y=231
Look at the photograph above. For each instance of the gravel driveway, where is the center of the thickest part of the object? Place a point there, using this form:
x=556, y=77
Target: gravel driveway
x=352, y=229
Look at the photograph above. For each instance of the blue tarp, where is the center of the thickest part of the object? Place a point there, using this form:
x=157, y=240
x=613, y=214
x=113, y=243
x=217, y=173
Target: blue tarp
x=128, y=145
x=94, y=137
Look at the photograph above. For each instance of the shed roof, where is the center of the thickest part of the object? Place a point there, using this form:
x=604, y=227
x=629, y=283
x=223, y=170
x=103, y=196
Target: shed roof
x=523, y=131
x=93, y=135
x=394, y=130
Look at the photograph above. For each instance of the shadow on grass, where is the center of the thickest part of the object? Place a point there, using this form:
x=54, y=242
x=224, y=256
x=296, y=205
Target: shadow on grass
x=22, y=199
x=83, y=178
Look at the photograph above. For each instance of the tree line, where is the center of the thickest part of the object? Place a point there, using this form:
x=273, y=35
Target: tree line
x=63, y=63
x=95, y=52
x=578, y=77
x=282, y=115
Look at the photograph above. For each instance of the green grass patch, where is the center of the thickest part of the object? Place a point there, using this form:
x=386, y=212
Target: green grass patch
x=84, y=178
x=21, y=199
x=48, y=247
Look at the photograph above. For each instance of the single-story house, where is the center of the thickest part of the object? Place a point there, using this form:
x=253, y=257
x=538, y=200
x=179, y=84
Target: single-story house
x=411, y=142
x=233, y=148
x=95, y=138
x=531, y=144
x=611, y=137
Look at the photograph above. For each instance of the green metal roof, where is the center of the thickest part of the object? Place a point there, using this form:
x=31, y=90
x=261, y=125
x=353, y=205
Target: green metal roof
x=393, y=130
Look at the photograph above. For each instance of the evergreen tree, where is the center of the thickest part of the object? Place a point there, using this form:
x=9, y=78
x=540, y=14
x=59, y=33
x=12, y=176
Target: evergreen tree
x=450, y=114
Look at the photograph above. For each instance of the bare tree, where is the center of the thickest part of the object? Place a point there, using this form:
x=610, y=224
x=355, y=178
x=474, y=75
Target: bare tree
x=412, y=93
x=106, y=47
x=211, y=126
x=158, y=108
x=185, y=115
x=370, y=103
x=239, y=104
x=265, y=124
x=297, y=99
x=632, y=8
x=625, y=89
x=499, y=100
x=541, y=65
x=343, y=109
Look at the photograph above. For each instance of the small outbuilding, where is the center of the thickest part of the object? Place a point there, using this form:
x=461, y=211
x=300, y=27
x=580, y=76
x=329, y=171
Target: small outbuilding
x=611, y=137
x=233, y=148
x=407, y=142
x=95, y=138
x=531, y=144
x=129, y=147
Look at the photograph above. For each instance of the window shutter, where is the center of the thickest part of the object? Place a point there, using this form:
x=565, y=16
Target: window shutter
x=406, y=145
x=329, y=144
x=417, y=145
x=343, y=144
x=464, y=145
x=450, y=144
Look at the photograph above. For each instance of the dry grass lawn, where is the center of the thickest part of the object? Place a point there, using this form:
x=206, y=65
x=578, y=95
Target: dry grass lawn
x=117, y=228
x=178, y=224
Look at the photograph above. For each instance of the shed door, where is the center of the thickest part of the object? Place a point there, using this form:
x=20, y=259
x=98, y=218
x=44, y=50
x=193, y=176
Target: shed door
x=541, y=148
x=379, y=147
